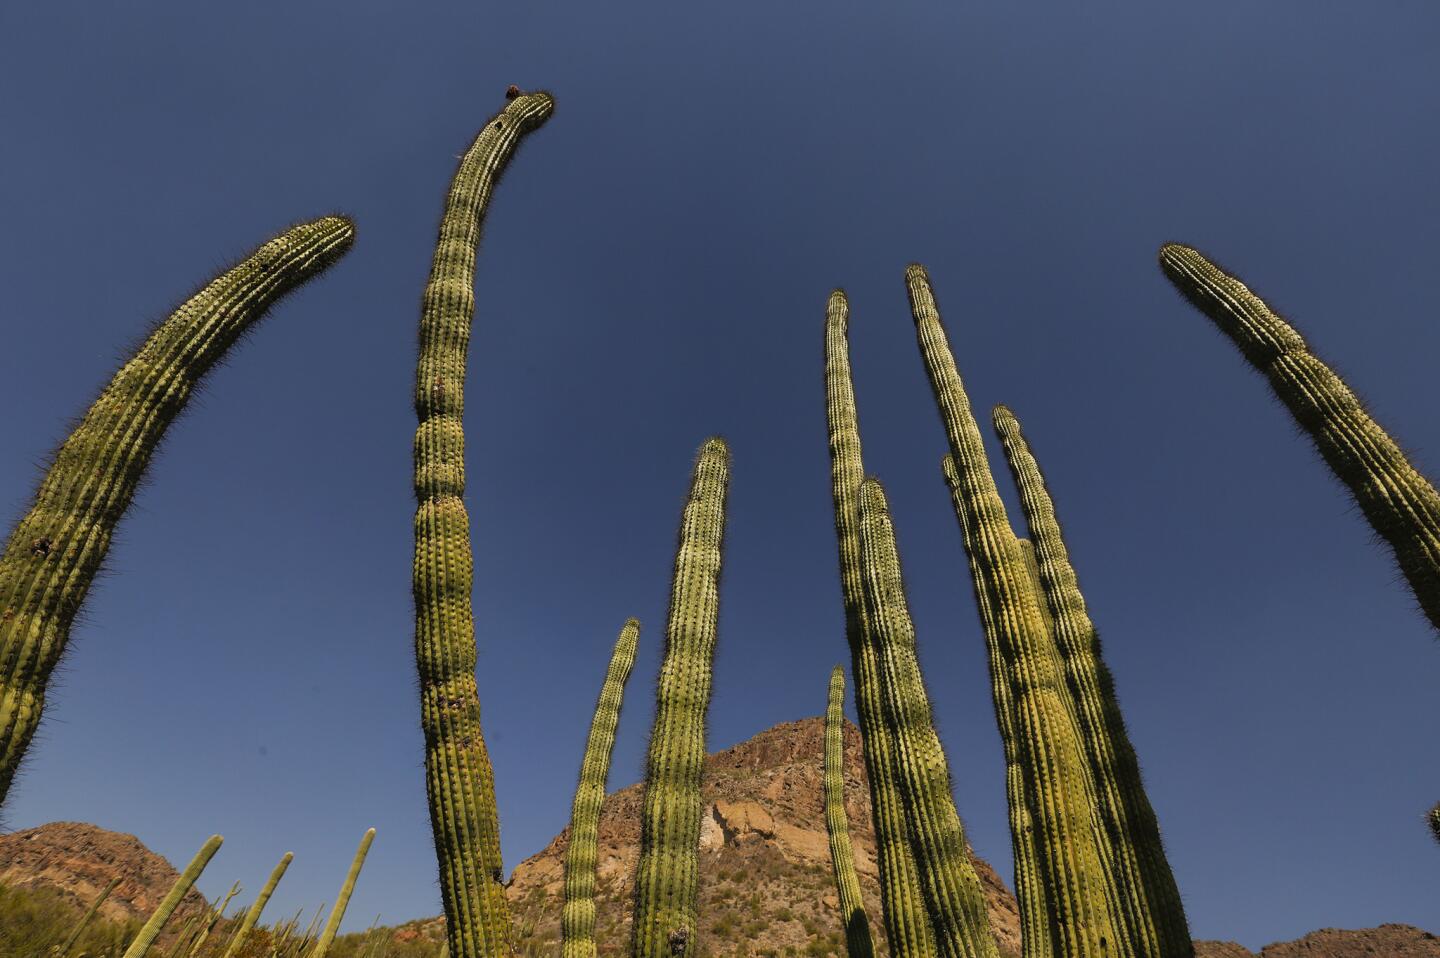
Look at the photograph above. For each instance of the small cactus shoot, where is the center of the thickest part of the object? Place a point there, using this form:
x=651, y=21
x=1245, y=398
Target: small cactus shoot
x=858, y=943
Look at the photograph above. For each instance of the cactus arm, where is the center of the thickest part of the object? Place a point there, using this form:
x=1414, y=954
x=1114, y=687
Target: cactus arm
x=253, y=915
x=837, y=825
x=666, y=885
x=337, y=914
x=146, y=936
x=89, y=914
x=907, y=927
x=1150, y=898
x=953, y=896
x=459, y=782
x=56, y=549
x=1401, y=505
x=577, y=916
x=215, y=916
x=1057, y=783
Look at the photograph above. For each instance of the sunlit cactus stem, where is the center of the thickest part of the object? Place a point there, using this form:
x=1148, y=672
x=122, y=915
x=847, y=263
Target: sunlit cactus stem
x=1148, y=898
x=215, y=916
x=1400, y=503
x=342, y=901
x=953, y=895
x=577, y=916
x=858, y=943
x=459, y=782
x=253, y=914
x=57, y=547
x=1057, y=787
x=146, y=936
x=84, y=921
x=667, y=880
x=907, y=926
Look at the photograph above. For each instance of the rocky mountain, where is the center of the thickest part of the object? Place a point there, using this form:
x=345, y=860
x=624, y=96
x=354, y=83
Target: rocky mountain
x=1386, y=941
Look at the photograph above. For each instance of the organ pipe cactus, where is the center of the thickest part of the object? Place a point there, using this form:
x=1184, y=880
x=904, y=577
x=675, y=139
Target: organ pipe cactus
x=337, y=914
x=57, y=547
x=215, y=916
x=146, y=936
x=459, y=782
x=953, y=896
x=837, y=825
x=1400, y=503
x=1030, y=893
x=253, y=914
x=1057, y=786
x=84, y=921
x=907, y=927
x=1149, y=898
x=666, y=885
x=577, y=917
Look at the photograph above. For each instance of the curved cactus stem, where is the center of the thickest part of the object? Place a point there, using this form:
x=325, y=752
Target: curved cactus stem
x=57, y=547
x=1149, y=899
x=577, y=916
x=146, y=937
x=459, y=782
x=89, y=914
x=858, y=943
x=253, y=915
x=953, y=896
x=667, y=879
x=1402, y=506
x=907, y=926
x=342, y=901
x=1057, y=785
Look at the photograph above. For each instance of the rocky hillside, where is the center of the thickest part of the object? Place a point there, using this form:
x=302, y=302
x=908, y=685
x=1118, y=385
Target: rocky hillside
x=79, y=860
x=1387, y=941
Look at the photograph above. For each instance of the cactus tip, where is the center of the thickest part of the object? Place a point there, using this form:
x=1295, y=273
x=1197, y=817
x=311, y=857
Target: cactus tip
x=511, y=92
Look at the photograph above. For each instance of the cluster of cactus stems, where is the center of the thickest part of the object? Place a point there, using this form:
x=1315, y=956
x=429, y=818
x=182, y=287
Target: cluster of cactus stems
x=577, y=918
x=858, y=943
x=57, y=547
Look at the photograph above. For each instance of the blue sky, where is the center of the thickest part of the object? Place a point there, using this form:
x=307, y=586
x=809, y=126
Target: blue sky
x=655, y=270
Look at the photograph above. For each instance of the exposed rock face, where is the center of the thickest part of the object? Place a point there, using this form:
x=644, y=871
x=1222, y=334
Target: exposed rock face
x=80, y=860
x=1386, y=941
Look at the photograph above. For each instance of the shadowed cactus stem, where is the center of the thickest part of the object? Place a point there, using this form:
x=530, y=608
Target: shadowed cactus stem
x=1148, y=898
x=907, y=926
x=1432, y=819
x=342, y=901
x=166, y=908
x=459, y=782
x=1052, y=761
x=253, y=915
x=1400, y=503
x=577, y=916
x=57, y=547
x=858, y=943
x=953, y=896
x=666, y=884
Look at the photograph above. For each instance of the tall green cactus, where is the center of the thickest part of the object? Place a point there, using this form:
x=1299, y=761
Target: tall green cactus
x=953, y=896
x=1400, y=503
x=253, y=915
x=1149, y=898
x=666, y=885
x=459, y=782
x=75, y=932
x=146, y=936
x=342, y=901
x=577, y=916
x=837, y=825
x=1030, y=893
x=55, y=550
x=907, y=926
x=1057, y=785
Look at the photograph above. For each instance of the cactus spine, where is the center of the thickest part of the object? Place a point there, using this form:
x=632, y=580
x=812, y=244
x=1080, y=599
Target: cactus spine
x=89, y=914
x=953, y=896
x=837, y=825
x=907, y=927
x=55, y=550
x=666, y=886
x=183, y=884
x=577, y=917
x=332, y=925
x=459, y=782
x=253, y=915
x=1056, y=777
x=1149, y=898
x=1400, y=503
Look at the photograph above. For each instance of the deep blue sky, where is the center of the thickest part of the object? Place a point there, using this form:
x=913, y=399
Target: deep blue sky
x=655, y=270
